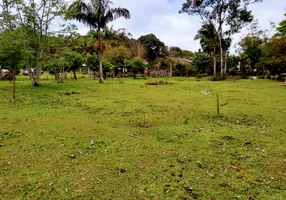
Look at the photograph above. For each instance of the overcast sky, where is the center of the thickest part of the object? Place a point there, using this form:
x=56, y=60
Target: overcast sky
x=161, y=17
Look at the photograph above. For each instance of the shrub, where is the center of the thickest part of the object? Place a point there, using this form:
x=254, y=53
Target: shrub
x=261, y=77
x=244, y=76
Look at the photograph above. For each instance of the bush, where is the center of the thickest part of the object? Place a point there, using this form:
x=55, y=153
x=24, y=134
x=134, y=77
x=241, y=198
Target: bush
x=277, y=77
x=244, y=76
x=261, y=77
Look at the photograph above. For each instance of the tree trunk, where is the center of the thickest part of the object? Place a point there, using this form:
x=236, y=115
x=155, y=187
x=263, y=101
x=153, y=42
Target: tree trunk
x=57, y=76
x=74, y=75
x=30, y=73
x=215, y=65
x=88, y=72
x=61, y=74
x=171, y=70
x=252, y=68
x=100, y=57
x=36, y=79
x=225, y=63
x=214, y=61
x=221, y=50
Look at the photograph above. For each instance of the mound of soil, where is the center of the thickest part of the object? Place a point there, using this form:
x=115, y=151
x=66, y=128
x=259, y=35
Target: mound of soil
x=157, y=83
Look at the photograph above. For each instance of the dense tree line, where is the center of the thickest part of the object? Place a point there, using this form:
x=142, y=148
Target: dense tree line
x=28, y=39
x=263, y=56
x=257, y=54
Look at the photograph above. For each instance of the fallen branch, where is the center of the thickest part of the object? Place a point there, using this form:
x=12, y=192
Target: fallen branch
x=224, y=104
x=131, y=135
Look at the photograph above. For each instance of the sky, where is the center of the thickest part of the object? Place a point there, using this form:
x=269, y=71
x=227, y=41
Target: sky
x=162, y=18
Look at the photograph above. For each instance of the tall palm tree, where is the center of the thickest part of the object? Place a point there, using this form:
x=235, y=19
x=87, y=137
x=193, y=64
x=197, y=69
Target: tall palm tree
x=226, y=43
x=97, y=14
x=209, y=41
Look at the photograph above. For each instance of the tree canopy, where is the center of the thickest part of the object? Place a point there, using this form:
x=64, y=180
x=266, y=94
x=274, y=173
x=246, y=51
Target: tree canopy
x=153, y=46
x=28, y=39
x=281, y=29
x=230, y=15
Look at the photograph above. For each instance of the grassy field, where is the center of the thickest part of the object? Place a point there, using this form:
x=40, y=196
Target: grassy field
x=70, y=140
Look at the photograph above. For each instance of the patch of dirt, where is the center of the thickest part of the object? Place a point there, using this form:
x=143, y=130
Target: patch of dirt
x=157, y=83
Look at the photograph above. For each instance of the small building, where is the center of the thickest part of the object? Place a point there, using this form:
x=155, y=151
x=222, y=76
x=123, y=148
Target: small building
x=174, y=60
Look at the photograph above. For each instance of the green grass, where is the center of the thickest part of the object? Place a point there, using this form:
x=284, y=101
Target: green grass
x=187, y=151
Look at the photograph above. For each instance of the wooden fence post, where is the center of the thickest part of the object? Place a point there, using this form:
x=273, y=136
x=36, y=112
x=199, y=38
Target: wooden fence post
x=217, y=98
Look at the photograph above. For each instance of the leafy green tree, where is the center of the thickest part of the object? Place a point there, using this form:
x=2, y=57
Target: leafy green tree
x=154, y=48
x=108, y=34
x=180, y=69
x=113, y=38
x=54, y=45
x=202, y=62
x=117, y=55
x=229, y=14
x=107, y=66
x=57, y=66
x=13, y=52
x=96, y=14
x=92, y=62
x=209, y=42
x=233, y=62
x=164, y=63
x=273, y=56
x=79, y=43
x=135, y=65
x=281, y=29
x=35, y=18
x=226, y=42
x=176, y=52
x=137, y=49
x=251, y=47
x=123, y=37
x=187, y=54
x=73, y=61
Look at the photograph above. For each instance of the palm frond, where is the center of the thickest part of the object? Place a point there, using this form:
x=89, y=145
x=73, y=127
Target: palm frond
x=114, y=13
x=84, y=13
x=120, y=12
x=97, y=14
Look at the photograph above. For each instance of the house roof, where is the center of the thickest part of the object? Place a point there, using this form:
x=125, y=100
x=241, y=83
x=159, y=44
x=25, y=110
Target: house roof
x=180, y=60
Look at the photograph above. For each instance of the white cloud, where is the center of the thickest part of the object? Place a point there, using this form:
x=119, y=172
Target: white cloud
x=162, y=18
x=175, y=30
